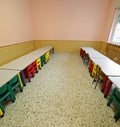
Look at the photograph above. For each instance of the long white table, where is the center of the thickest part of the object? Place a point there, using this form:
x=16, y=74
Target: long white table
x=109, y=67
x=19, y=64
x=93, y=53
x=15, y=67
x=22, y=62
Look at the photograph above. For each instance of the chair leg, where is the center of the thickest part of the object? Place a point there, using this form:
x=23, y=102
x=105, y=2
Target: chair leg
x=96, y=83
x=40, y=66
x=1, y=113
x=116, y=119
x=110, y=101
x=23, y=78
x=20, y=83
x=11, y=95
x=12, y=98
x=93, y=81
x=21, y=88
x=117, y=115
x=32, y=73
x=28, y=77
x=2, y=108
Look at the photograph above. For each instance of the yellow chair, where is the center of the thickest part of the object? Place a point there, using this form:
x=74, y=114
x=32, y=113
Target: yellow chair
x=1, y=113
x=98, y=76
x=94, y=70
x=47, y=56
x=38, y=61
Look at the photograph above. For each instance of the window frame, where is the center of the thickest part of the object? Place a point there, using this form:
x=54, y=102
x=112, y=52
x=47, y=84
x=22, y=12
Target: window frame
x=114, y=24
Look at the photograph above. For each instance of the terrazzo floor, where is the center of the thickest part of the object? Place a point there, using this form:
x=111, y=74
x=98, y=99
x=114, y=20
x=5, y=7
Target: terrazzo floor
x=60, y=95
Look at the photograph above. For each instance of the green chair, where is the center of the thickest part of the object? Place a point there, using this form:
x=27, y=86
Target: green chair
x=115, y=96
x=14, y=83
x=43, y=60
x=4, y=93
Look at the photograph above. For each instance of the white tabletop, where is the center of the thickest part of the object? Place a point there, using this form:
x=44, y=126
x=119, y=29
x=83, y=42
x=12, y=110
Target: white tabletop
x=93, y=53
x=22, y=62
x=6, y=75
x=88, y=48
x=109, y=67
x=96, y=54
x=116, y=81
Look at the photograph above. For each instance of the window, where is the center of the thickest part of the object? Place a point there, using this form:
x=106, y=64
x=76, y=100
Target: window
x=115, y=30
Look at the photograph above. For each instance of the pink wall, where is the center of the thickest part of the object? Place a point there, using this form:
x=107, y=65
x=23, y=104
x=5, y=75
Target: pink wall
x=69, y=19
x=15, y=22
x=109, y=21
x=88, y=20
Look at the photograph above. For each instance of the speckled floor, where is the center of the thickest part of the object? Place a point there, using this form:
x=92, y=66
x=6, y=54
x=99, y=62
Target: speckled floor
x=60, y=95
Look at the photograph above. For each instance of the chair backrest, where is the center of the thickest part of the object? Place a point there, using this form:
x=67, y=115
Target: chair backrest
x=14, y=81
x=43, y=59
x=38, y=62
x=30, y=68
x=81, y=50
x=90, y=66
x=83, y=54
x=43, y=56
x=94, y=71
x=3, y=89
x=117, y=94
x=34, y=64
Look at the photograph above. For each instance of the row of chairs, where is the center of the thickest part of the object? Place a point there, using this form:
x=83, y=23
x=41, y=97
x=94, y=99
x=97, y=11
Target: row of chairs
x=36, y=65
x=98, y=76
x=7, y=90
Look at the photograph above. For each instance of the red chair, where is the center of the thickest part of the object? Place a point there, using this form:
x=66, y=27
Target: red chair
x=34, y=65
x=83, y=54
x=81, y=50
x=107, y=88
x=90, y=68
x=29, y=70
x=104, y=83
